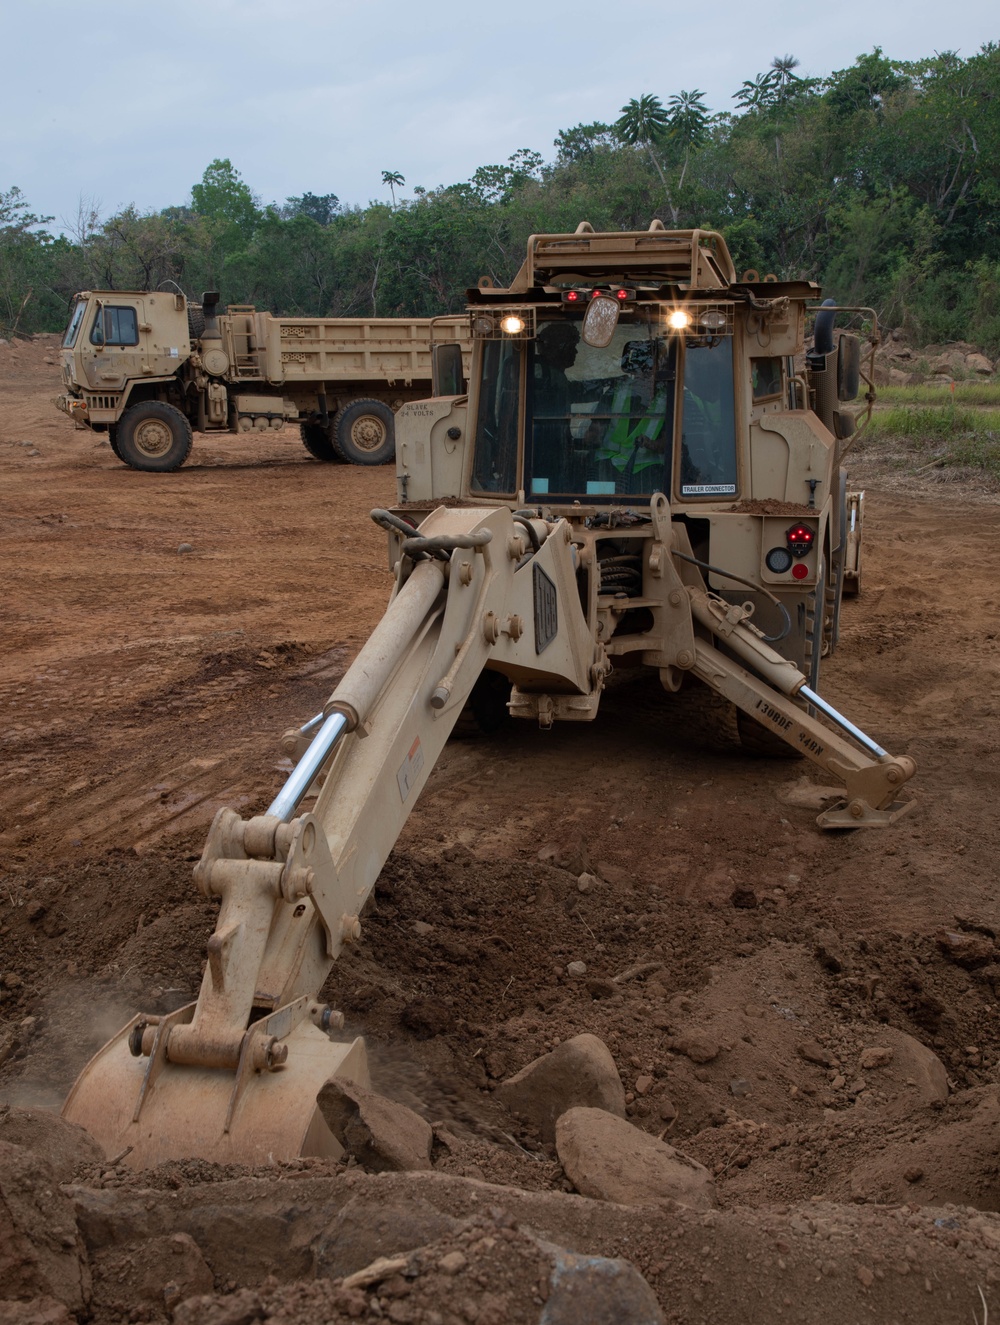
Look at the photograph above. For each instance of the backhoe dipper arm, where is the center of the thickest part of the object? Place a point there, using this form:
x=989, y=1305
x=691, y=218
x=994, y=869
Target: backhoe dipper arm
x=254, y=1047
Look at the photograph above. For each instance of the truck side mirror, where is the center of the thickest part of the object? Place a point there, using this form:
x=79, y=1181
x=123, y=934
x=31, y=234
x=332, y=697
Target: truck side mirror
x=447, y=377
x=848, y=367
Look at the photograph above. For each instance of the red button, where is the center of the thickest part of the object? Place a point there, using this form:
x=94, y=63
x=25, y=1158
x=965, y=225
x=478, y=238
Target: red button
x=800, y=571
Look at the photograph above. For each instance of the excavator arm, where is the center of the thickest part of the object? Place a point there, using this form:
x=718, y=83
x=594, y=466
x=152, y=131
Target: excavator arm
x=234, y=1076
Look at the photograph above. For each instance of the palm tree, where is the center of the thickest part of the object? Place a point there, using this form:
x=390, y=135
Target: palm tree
x=394, y=180
x=687, y=123
x=643, y=123
x=784, y=78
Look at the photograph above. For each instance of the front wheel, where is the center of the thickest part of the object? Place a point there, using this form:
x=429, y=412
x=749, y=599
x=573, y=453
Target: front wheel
x=366, y=433
x=154, y=437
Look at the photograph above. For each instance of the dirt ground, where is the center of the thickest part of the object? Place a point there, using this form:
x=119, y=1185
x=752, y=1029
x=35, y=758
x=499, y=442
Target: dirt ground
x=143, y=686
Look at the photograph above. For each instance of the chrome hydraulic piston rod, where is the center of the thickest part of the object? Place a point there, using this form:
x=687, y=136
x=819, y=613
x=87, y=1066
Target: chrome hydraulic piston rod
x=811, y=697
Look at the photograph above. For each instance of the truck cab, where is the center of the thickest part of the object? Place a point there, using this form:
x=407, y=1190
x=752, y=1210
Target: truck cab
x=117, y=340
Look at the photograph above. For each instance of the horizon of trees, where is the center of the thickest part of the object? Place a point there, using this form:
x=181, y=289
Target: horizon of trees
x=880, y=181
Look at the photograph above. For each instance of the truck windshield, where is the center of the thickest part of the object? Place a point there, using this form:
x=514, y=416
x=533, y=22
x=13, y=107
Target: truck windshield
x=73, y=330
x=601, y=420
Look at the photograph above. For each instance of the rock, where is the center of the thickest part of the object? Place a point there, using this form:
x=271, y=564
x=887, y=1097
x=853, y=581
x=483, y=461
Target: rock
x=63, y=1145
x=453, y=1263
x=184, y=547
x=373, y=1225
x=41, y=1252
x=39, y=1311
x=951, y=363
x=380, y=1133
x=34, y=911
x=978, y=363
x=580, y=1072
x=587, y=883
x=12, y=980
x=966, y=949
x=597, y=1290
x=919, y=1064
x=699, y=1048
x=814, y=1053
x=607, y=1158
x=171, y=1270
x=241, y=1308
x=874, y=1057
x=642, y=1085
x=576, y=969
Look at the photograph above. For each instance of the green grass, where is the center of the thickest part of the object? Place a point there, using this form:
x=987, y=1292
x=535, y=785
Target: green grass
x=942, y=435
x=966, y=393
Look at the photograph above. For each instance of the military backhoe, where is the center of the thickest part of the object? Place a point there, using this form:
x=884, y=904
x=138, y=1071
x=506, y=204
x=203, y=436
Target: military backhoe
x=643, y=473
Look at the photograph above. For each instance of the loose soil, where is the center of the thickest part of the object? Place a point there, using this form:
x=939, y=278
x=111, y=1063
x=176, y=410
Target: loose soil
x=142, y=687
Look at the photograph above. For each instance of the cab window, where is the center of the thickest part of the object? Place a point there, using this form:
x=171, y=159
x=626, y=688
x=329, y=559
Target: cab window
x=765, y=379
x=73, y=330
x=495, y=465
x=115, y=326
x=601, y=419
x=708, y=429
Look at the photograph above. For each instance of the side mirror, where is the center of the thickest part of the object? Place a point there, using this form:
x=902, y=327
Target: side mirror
x=97, y=336
x=599, y=321
x=447, y=375
x=848, y=367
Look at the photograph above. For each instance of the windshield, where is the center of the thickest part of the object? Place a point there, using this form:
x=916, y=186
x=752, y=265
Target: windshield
x=601, y=419
x=73, y=330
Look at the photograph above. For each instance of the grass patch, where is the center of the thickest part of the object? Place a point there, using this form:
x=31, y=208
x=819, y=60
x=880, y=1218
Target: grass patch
x=965, y=393
x=941, y=435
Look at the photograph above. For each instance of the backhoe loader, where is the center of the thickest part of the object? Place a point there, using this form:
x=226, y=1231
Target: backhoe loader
x=641, y=475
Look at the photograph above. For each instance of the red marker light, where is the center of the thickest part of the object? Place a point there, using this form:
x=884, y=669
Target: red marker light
x=800, y=570
x=800, y=539
x=622, y=294
x=572, y=297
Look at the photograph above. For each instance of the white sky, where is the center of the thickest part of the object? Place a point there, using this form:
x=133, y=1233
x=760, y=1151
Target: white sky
x=129, y=103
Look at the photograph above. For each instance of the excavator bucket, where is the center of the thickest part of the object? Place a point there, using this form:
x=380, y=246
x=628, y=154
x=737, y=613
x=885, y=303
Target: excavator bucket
x=148, y=1110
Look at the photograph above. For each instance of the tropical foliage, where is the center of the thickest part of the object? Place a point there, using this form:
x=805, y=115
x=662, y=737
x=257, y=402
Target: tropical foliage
x=881, y=181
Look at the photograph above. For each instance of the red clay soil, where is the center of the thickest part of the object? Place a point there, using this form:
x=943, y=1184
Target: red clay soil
x=142, y=687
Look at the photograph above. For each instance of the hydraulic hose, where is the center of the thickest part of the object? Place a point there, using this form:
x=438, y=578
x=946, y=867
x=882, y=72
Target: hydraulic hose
x=758, y=588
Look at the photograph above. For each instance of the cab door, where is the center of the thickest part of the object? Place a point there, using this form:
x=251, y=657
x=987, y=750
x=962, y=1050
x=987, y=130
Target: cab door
x=115, y=342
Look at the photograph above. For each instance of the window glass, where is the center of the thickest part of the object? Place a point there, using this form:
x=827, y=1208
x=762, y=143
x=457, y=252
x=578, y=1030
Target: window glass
x=119, y=326
x=765, y=378
x=495, y=465
x=602, y=419
x=73, y=330
x=708, y=430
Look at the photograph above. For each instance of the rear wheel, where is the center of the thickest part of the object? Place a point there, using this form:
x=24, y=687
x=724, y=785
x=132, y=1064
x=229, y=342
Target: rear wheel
x=316, y=440
x=154, y=437
x=366, y=433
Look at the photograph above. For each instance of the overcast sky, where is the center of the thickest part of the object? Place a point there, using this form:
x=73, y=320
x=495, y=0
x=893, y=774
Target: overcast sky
x=129, y=103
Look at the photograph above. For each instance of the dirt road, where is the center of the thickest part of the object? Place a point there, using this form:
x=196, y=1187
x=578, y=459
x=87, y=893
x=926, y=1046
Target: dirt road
x=143, y=685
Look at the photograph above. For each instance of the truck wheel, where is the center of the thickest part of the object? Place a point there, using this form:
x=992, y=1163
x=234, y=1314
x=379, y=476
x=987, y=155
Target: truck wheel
x=366, y=433
x=316, y=440
x=153, y=437
x=113, y=441
x=196, y=321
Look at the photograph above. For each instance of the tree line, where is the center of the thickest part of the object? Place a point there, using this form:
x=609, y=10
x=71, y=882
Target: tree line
x=880, y=181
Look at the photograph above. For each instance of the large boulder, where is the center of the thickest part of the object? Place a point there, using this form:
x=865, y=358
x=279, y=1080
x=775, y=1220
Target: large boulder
x=381, y=1134
x=580, y=1073
x=607, y=1158
x=41, y=1252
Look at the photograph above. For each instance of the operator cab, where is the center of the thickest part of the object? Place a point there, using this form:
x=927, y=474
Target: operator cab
x=564, y=418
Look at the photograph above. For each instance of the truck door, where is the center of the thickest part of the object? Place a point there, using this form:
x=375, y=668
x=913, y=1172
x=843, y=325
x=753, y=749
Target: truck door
x=115, y=341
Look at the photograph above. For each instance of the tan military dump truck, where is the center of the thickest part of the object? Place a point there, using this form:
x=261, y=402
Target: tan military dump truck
x=150, y=369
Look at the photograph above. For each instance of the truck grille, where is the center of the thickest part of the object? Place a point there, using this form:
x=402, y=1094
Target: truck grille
x=102, y=402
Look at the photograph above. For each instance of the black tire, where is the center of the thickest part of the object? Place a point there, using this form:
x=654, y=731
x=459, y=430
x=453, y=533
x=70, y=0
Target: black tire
x=485, y=712
x=113, y=441
x=153, y=437
x=365, y=433
x=316, y=440
x=196, y=321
